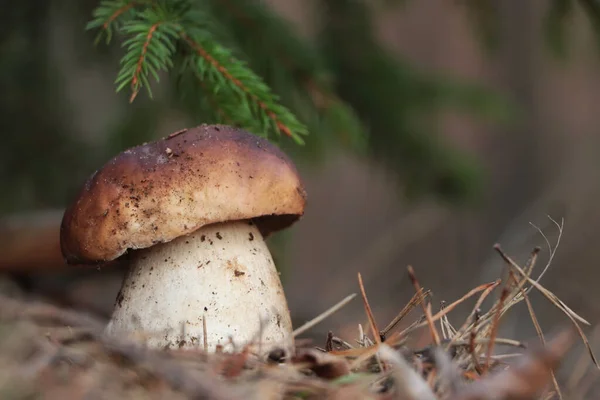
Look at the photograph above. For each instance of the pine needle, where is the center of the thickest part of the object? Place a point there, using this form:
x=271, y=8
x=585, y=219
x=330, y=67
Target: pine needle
x=494, y=328
x=369, y=311
x=321, y=317
x=426, y=308
x=540, y=334
x=417, y=299
x=574, y=317
x=179, y=38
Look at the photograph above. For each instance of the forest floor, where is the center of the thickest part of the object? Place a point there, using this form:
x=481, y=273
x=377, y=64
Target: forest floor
x=50, y=352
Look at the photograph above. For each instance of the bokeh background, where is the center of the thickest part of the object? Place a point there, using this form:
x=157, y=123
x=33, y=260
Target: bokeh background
x=527, y=147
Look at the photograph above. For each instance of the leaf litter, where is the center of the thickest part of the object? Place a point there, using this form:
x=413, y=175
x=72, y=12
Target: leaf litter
x=55, y=353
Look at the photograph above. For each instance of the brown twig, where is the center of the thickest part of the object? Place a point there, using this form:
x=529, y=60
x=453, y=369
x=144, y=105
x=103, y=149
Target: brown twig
x=574, y=317
x=118, y=13
x=340, y=342
x=466, y=328
x=532, y=260
x=329, y=342
x=443, y=326
x=369, y=311
x=494, y=328
x=414, y=301
x=550, y=249
x=539, y=332
x=426, y=309
x=487, y=288
x=371, y=318
x=524, y=380
x=472, y=337
x=471, y=293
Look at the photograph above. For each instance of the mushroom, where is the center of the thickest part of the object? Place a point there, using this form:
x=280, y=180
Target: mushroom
x=191, y=212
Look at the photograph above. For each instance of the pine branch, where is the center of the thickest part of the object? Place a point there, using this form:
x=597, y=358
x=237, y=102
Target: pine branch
x=109, y=14
x=292, y=67
x=221, y=110
x=247, y=84
x=156, y=32
x=150, y=50
x=116, y=14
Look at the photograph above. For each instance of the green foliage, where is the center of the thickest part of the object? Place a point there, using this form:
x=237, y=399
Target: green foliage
x=155, y=31
x=237, y=62
x=295, y=69
x=341, y=86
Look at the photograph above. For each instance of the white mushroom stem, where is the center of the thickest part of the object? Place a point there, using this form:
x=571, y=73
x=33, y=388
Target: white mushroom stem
x=222, y=276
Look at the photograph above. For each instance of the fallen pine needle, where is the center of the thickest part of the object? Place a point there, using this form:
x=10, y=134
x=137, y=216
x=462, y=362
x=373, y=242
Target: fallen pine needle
x=308, y=325
x=426, y=308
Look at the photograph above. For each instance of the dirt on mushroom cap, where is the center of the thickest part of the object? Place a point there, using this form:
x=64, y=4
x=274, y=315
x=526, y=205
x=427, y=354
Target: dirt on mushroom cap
x=161, y=190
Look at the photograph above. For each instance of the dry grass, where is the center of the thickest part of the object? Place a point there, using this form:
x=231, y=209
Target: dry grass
x=55, y=353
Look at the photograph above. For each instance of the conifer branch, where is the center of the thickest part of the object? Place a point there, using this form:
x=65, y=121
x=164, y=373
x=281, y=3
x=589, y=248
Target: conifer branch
x=160, y=30
x=117, y=13
x=322, y=97
x=135, y=80
x=214, y=104
x=108, y=15
x=237, y=82
x=285, y=53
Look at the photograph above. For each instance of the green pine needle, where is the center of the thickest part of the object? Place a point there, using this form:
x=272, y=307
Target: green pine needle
x=155, y=32
x=294, y=68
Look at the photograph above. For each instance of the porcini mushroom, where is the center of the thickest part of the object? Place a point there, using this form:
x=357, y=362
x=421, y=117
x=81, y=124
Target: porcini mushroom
x=191, y=211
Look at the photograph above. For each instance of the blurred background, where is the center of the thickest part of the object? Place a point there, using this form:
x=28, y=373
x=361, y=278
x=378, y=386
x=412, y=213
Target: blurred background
x=437, y=128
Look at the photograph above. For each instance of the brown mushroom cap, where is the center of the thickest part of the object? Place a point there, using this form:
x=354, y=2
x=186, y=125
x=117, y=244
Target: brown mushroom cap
x=159, y=191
